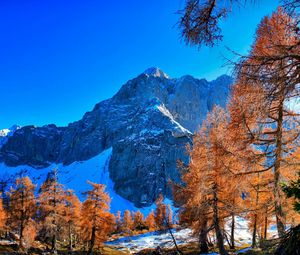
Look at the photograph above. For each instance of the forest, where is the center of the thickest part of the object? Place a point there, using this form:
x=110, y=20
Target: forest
x=53, y=219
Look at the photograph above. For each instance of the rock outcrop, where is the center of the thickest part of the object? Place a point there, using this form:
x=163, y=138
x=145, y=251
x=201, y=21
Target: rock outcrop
x=148, y=123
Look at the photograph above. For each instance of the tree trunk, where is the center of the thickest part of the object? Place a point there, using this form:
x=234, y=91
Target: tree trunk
x=232, y=245
x=266, y=226
x=21, y=235
x=254, y=231
x=22, y=221
x=53, y=248
x=70, y=238
x=203, y=242
x=92, y=241
x=219, y=236
x=278, y=155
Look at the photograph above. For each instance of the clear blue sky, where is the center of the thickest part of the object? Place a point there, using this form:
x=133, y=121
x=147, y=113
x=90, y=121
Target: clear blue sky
x=59, y=58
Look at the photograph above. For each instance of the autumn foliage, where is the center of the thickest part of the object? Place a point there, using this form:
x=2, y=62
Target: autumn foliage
x=242, y=155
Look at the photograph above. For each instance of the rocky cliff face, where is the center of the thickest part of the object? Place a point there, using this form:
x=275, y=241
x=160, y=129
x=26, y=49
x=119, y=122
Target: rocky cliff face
x=147, y=123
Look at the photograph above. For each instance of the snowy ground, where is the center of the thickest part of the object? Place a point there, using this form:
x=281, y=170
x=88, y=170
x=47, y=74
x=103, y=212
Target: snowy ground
x=163, y=239
x=152, y=240
x=242, y=233
x=75, y=177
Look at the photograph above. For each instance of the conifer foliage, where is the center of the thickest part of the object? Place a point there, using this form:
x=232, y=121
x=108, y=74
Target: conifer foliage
x=22, y=208
x=266, y=82
x=96, y=220
x=52, y=199
x=206, y=196
x=2, y=216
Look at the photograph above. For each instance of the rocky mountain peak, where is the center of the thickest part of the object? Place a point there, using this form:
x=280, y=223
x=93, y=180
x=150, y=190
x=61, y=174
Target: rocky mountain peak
x=147, y=125
x=156, y=72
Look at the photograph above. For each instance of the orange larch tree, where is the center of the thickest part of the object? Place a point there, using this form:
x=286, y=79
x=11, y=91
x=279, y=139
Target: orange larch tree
x=2, y=216
x=127, y=224
x=210, y=192
x=52, y=201
x=160, y=212
x=150, y=221
x=72, y=216
x=96, y=220
x=138, y=221
x=22, y=207
x=266, y=86
x=118, y=222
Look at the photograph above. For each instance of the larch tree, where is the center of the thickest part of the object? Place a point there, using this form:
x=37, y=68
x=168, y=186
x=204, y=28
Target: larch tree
x=169, y=217
x=2, y=216
x=199, y=22
x=52, y=201
x=138, y=221
x=22, y=207
x=96, y=220
x=118, y=222
x=206, y=197
x=160, y=212
x=259, y=204
x=150, y=221
x=127, y=224
x=291, y=179
x=72, y=216
x=267, y=84
x=30, y=233
x=290, y=244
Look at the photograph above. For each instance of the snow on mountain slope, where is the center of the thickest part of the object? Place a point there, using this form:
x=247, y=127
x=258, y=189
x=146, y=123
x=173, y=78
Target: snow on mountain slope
x=180, y=130
x=75, y=177
x=7, y=132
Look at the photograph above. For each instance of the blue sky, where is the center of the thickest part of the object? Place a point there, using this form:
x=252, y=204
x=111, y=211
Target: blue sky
x=59, y=58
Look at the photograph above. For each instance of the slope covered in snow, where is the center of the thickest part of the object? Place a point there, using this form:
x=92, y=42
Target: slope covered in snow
x=75, y=177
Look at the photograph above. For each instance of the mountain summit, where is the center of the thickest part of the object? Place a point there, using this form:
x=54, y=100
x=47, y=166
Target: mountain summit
x=156, y=72
x=146, y=126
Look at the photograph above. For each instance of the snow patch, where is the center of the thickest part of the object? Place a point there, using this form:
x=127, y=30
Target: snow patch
x=6, y=133
x=152, y=240
x=181, y=131
x=75, y=177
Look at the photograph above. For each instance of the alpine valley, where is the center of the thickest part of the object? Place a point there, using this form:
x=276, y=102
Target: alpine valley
x=130, y=142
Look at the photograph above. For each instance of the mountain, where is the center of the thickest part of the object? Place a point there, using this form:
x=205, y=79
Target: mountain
x=147, y=126
x=6, y=133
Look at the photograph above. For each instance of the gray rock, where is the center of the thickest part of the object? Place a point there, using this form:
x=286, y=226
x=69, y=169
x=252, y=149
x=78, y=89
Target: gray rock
x=148, y=123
